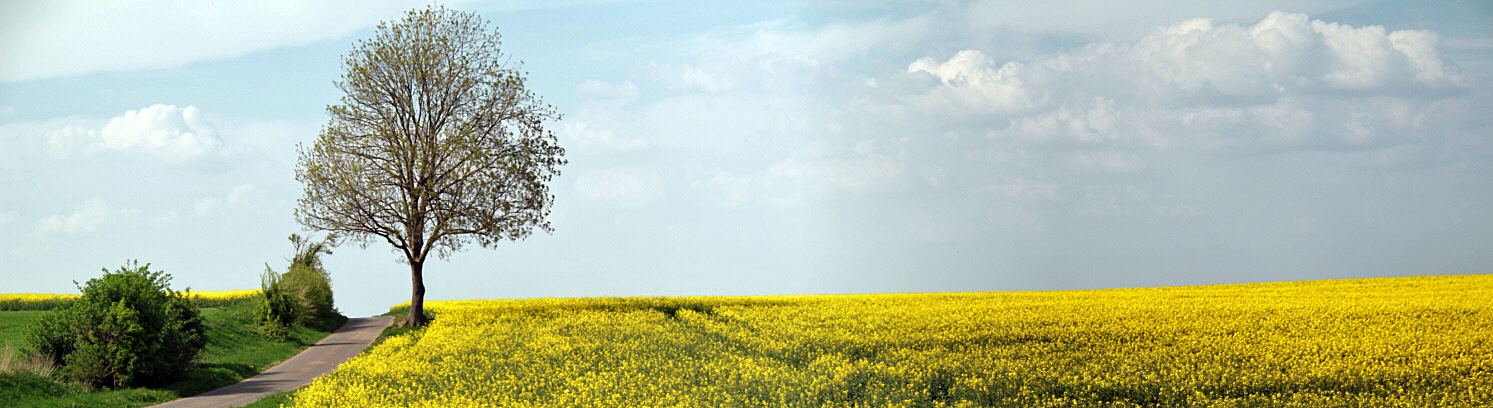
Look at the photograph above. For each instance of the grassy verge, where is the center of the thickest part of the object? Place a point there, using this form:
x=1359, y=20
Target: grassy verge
x=273, y=401
x=235, y=351
x=395, y=329
x=13, y=327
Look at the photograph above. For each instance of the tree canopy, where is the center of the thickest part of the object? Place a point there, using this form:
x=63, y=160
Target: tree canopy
x=436, y=144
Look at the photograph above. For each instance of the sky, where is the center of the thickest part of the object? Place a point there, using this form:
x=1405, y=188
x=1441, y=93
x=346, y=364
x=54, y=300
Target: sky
x=738, y=148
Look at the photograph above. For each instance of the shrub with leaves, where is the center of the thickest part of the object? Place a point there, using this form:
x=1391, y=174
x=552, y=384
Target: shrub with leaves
x=300, y=296
x=311, y=293
x=307, y=281
x=128, y=329
x=277, y=311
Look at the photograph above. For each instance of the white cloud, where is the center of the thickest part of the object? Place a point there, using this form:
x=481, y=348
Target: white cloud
x=692, y=77
x=1091, y=120
x=63, y=141
x=834, y=42
x=48, y=39
x=774, y=55
x=1199, y=81
x=238, y=197
x=1128, y=19
x=1283, y=53
x=586, y=138
x=173, y=133
x=973, y=83
x=619, y=186
x=94, y=213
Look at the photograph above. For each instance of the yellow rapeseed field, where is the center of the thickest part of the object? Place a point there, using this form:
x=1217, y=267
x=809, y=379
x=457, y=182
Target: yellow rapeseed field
x=49, y=301
x=221, y=294
x=219, y=298
x=34, y=301
x=1388, y=342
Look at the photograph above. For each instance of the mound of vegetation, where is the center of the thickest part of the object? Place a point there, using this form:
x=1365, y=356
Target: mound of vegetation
x=234, y=351
x=226, y=330
x=128, y=329
x=300, y=296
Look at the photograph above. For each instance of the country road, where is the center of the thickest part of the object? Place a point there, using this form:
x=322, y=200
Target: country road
x=319, y=359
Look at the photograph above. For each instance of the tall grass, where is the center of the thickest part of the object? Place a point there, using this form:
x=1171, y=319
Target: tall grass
x=16, y=363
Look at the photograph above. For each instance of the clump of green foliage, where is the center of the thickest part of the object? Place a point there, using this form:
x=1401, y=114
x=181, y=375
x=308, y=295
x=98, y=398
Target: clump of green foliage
x=276, y=312
x=128, y=329
x=300, y=296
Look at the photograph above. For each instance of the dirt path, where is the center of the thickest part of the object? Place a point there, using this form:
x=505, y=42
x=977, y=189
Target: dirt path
x=295, y=372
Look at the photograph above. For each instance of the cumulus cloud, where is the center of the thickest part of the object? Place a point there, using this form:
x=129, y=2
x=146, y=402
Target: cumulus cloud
x=238, y=197
x=177, y=133
x=1199, y=80
x=94, y=213
x=63, y=141
x=173, y=133
x=619, y=186
x=973, y=83
x=1196, y=59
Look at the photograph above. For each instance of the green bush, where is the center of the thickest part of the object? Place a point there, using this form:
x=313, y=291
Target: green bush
x=300, y=296
x=311, y=291
x=307, y=281
x=277, y=311
x=53, y=335
x=128, y=329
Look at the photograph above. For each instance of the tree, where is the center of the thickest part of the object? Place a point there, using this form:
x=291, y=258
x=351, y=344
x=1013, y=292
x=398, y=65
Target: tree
x=436, y=144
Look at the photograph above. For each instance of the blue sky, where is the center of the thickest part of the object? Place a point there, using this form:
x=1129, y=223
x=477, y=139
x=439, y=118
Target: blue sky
x=789, y=148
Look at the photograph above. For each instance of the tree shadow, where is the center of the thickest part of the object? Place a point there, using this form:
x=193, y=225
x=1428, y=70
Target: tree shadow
x=210, y=376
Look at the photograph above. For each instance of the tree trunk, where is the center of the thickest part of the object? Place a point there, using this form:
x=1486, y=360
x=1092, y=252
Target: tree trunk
x=416, y=318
